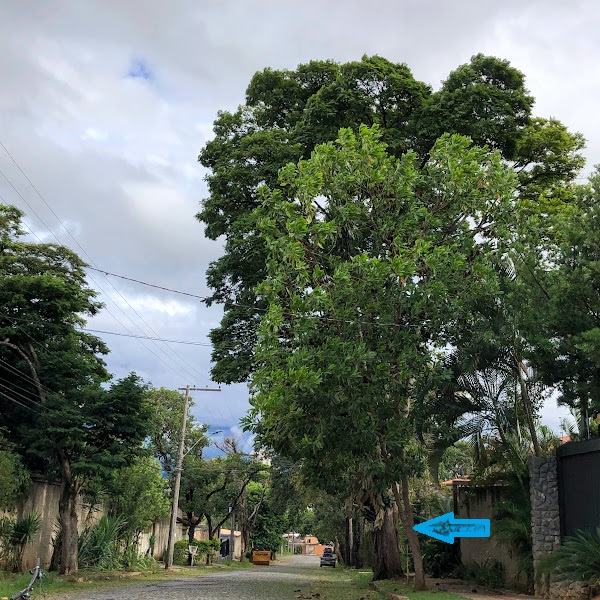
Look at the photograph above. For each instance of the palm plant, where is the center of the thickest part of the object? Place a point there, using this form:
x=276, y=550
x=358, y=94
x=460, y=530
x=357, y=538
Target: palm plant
x=577, y=560
x=99, y=545
x=14, y=536
x=511, y=525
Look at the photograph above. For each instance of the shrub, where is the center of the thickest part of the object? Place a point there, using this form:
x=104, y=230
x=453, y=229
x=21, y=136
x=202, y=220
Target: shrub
x=181, y=552
x=577, y=560
x=439, y=558
x=99, y=546
x=488, y=574
x=14, y=536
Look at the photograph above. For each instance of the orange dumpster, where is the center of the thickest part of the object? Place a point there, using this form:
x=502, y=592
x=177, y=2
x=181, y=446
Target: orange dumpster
x=261, y=557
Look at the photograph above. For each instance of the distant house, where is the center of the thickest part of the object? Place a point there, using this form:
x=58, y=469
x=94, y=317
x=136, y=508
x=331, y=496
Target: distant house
x=309, y=545
x=225, y=537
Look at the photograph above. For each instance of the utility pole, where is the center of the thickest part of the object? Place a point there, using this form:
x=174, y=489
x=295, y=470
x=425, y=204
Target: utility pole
x=232, y=535
x=178, y=468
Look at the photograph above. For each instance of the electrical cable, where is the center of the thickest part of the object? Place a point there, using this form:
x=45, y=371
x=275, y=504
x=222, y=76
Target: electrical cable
x=92, y=261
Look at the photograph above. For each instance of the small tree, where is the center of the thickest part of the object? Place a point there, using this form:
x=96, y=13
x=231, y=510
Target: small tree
x=139, y=495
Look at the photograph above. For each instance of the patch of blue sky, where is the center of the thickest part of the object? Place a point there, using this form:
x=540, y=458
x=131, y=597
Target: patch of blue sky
x=140, y=69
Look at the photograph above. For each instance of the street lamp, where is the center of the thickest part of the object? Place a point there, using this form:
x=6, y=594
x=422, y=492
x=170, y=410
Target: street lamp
x=201, y=440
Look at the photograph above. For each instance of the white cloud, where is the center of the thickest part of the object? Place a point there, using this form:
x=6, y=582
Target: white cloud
x=116, y=156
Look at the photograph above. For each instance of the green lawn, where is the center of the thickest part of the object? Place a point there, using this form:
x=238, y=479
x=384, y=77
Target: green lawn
x=341, y=584
x=349, y=584
x=404, y=589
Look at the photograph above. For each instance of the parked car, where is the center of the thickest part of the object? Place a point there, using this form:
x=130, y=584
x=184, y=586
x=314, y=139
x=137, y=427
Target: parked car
x=328, y=559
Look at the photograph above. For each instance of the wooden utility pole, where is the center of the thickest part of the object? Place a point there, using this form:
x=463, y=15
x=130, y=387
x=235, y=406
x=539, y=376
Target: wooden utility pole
x=232, y=535
x=178, y=467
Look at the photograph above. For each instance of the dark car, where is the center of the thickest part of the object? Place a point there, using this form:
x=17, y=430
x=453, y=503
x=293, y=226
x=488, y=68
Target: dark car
x=328, y=559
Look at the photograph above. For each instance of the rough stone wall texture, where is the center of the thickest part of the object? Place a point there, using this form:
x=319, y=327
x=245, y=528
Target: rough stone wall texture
x=545, y=527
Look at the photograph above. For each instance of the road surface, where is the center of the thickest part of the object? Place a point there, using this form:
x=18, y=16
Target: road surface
x=287, y=578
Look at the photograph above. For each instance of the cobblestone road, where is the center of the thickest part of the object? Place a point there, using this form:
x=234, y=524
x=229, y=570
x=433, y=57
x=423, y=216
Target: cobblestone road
x=280, y=581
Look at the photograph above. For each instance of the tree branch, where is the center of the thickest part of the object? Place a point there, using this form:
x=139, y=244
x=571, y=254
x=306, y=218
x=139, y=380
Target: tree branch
x=31, y=367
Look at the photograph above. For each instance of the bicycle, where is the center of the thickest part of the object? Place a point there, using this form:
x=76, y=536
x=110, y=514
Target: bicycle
x=37, y=573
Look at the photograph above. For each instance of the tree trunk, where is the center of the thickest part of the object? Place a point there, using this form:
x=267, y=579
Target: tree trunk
x=67, y=508
x=406, y=516
x=350, y=540
x=344, y=550
x=433, y=465
x=584, y=416
x=192, y=523
x=528, y=409
x=387, y=562
x=356, y=554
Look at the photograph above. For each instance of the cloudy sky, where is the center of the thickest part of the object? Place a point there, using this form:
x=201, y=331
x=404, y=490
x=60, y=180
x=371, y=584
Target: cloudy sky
x=105, y=106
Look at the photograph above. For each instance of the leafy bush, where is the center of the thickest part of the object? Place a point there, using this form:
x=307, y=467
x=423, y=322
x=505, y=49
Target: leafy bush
x=14, y=477
x=512, y=526
x=108, y=546
x=577, y=560
x=439, y=558
x=99, y=546
x=14, y=536
x=181, y=552
x=488, y=574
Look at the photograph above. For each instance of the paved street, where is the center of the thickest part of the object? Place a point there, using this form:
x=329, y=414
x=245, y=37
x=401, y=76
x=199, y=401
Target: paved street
x=277, y=582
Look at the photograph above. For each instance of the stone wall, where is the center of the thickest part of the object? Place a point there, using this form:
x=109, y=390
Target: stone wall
x=545, y=515
x=545, y=527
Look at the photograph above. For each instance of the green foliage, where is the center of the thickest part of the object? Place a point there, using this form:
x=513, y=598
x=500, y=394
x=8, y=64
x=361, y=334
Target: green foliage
x=576, y=560
x=167, y=412
x=14, y=477
x=289, y=112
x=99, y=545
x=181, y=552
x=439, y=558
x=568, y=352
x=490, y=573
x=382, y=257
x=139, y=492
x=457, y=461
x=14, y=536
x=78, y=431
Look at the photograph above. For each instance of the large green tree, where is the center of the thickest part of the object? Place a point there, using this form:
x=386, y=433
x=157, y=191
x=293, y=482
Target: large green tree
x=375, y=264
x=567, y=349
x=286, y=113
x=62, y=420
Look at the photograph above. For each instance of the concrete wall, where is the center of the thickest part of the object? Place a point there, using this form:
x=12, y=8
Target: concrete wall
x=43, y=499
x=478, y=502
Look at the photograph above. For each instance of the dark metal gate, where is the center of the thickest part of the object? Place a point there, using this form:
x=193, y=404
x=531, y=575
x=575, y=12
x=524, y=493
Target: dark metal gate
x=579, y=486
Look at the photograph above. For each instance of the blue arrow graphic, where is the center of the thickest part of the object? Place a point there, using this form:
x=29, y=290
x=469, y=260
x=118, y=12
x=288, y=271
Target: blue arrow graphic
x=446, y=528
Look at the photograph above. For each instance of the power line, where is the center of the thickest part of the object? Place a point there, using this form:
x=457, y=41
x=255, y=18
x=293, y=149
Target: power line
x=30, y=399
x=149, y=338
x=159, y=287
x=87, y=330
x=183, y=370
x=26, y=398
x=17, y=402
x=255, y=308
x=23, y=376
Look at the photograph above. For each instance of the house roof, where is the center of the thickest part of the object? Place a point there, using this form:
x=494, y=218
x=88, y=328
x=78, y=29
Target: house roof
x=457, y=480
